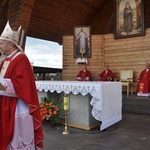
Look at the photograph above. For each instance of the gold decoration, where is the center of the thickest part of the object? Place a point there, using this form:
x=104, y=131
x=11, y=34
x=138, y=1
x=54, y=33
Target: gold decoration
x=66, y=123
x=82, y=51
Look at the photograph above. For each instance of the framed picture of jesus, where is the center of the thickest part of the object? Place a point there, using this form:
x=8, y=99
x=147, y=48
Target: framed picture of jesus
x=82, y=42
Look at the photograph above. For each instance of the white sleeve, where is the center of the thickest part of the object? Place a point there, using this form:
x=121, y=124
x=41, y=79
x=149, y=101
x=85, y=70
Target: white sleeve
x=87, y=78
x=98, y=77
x=78, y=78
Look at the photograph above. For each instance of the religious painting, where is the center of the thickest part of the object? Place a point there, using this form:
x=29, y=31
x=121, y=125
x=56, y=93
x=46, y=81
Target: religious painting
x=82, y=42
x=129, y=18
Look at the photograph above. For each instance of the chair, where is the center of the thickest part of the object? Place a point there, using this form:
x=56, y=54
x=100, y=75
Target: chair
x=126, y=78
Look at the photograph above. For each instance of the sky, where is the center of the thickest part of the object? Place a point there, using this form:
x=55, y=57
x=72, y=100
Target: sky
x=43, y=53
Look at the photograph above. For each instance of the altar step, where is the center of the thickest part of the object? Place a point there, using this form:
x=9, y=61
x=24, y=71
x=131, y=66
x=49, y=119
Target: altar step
x=135, y=104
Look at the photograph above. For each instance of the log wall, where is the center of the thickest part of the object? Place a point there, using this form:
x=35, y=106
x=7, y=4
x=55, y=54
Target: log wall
x=121, y=54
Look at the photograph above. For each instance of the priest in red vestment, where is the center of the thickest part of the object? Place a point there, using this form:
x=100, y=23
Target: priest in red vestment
x=20, y=121
x=84, y=74
x=143, y=82
x=106, y=75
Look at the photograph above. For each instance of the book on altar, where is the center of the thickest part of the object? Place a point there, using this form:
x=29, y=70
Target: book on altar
x=7, y=88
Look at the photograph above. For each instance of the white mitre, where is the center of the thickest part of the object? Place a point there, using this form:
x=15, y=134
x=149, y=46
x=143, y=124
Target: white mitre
x=9, y=35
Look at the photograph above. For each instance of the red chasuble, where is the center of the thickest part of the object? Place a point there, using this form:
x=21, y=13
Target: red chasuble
x=83, y=74
x=21, y=75
x=143, y=85
x=105, y=75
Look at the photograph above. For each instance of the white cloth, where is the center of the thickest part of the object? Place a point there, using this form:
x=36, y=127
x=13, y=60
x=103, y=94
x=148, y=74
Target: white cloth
x=10, y=88
x=21, y=108
x=106, y=96
x=23, y=139
x=143, y=94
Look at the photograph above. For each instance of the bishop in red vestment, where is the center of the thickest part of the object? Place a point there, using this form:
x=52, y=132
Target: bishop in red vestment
x=20, y=121
x=143, y=82
x=84, y=74
x=106, y=75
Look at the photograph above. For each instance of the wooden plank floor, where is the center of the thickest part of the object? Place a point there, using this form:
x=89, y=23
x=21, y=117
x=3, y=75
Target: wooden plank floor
x=135, y=104
x=131, y=133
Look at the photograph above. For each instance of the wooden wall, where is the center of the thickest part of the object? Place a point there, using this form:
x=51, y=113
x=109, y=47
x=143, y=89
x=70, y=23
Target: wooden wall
x=70, y=68
x=128, y=53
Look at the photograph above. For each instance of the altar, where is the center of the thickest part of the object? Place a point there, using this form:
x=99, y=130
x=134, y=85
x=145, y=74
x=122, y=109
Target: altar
x=89, y=102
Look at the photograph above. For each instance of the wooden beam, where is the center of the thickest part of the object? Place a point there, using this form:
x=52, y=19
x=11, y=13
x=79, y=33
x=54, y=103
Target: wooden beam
x=3, y=6
x=19, y=13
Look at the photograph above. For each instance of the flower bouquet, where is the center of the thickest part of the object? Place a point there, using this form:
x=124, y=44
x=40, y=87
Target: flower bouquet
x=50, y=109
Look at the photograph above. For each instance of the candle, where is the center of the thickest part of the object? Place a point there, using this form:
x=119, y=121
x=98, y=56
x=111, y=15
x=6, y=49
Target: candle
x=65, y=102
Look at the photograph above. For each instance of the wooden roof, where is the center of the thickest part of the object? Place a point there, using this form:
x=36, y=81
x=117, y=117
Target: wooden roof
x=52, y=19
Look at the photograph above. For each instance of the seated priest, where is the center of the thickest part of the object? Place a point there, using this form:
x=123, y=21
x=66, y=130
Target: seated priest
x=106, y=75
x=84, y=74
x=143, y=82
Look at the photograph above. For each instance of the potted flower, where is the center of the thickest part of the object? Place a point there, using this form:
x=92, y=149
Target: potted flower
x=50, y=109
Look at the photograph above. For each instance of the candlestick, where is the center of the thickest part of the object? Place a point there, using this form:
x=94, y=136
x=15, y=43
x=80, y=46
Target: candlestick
x=66, y=123
x=66, y=114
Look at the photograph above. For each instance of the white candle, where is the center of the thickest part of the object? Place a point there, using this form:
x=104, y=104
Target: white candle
x=65, y=102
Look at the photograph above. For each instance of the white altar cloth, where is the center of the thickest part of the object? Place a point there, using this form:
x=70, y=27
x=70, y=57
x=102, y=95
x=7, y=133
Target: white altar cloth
x=106, y=97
